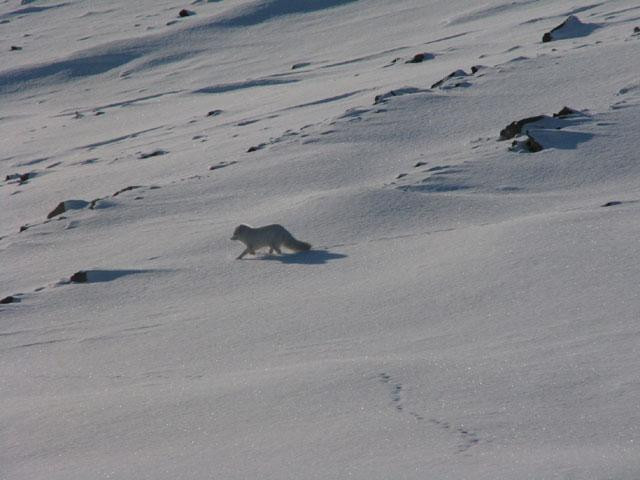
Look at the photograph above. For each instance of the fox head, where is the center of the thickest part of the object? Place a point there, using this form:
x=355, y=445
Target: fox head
x=239, y=231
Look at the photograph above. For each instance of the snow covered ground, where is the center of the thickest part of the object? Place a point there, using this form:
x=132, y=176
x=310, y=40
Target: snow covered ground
x=471, y=306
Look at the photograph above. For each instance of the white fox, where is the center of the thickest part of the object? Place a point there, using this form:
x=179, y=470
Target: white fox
x=272, y=236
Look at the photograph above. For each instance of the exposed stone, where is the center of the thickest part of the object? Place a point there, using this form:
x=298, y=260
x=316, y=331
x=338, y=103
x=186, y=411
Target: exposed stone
x=67, y=205
x=60, y=208
x=15, y=48
x=420, y=164
x=154, y=153
x=395, y=93
x=222, y=165
x=126, y=189
x=571, y=24
x=300, y=65
x=456, y=74
x=214, y=113
x=421, y=57
x=612, y=203
x=515, y=128
x=79, y=277
x=185, y=13
x=532, y=145
x=255, y=148
x=529, y=144
x=565, y=112
x=9, y=299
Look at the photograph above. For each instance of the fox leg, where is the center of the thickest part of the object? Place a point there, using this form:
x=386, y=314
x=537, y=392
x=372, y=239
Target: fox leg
x=246, y=250
x=276, y=248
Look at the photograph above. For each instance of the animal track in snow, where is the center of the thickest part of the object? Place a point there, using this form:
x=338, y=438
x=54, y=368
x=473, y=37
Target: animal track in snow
x=467, y=438
x=395, y=392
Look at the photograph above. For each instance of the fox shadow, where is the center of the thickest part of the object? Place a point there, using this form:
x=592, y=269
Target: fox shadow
x=310, y=257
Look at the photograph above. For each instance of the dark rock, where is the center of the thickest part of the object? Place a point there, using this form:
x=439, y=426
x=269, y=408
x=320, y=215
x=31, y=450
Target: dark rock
x=636, y=30
x=155, y=153
x=67, y=205
x=529, y=144
x=420, y=164
x=612, y=203
x=255, y=148
x=395, y=93
x=12, y=176
x=515, y=128
x=126, y=189
x=15, y=48
x=24, y=227
x=400, y=175
x=572, y=27
x=300, y=65
x=186, y=13
x=214, y=113
x=222, y=165
x=57, y=211
x=421, y=57
x=565, y=112
x=476, y=68
x=9, y=299
x=79, y=277
x=456, y=74
x=24, y=177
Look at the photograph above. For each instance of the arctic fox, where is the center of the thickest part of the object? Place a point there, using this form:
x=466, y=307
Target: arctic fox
x=272, y=236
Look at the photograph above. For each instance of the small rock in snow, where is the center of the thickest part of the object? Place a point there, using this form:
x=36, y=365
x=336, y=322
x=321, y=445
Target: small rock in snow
x=154, y=153
x=526, y=144
x=565, y=112
x=67, y=205
x=421, y=57
x=300, y=65
x=256, y=147
x=515, y=128
x=79, y=277
x=456, y=74
x=570, y=28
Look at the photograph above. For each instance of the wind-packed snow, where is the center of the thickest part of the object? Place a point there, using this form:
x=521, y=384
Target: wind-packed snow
x=470, y=308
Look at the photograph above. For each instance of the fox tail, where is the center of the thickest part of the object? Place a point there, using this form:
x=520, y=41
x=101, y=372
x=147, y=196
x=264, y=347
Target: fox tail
x=296, y=245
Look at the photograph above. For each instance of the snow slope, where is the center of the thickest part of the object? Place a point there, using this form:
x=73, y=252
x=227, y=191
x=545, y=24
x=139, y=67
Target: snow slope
x=469, y=310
